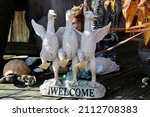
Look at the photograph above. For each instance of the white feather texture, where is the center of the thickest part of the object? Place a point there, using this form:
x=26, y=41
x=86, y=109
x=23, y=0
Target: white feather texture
x=50, y=45
x=89, y=38
x=50, y=42
x=69, y=37
x=69, y=41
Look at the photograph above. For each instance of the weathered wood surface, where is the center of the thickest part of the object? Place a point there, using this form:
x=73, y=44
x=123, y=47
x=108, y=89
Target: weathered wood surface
x=19, y=31
x=125, y=84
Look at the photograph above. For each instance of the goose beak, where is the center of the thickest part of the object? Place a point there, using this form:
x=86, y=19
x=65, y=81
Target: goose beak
x=93, y=18
x=54, y=15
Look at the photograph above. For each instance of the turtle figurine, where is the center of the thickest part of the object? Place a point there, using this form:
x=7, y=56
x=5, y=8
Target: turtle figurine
x=17, y=72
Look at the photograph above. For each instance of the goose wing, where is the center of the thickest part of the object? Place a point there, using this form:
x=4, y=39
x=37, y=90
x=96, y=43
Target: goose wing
x=39, y=29
x=101, y=33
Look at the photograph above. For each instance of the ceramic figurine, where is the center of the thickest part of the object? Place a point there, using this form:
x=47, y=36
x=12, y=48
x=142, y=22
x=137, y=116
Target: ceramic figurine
x=17, y=72
x=70, y=43
x=80, y=48
x=86, y=53
x=16, y=66
x=50, y=45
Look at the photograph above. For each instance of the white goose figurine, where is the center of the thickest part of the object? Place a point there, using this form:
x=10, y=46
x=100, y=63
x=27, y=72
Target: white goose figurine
x=50, y=44
x=86, y=53
x=69, y=38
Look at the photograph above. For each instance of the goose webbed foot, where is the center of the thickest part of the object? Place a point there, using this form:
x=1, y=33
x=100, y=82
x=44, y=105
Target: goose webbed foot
x=82, y=65
x=63, y=62
x=44, y=65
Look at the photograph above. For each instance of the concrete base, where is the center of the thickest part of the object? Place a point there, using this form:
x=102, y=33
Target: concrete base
x=84, y=90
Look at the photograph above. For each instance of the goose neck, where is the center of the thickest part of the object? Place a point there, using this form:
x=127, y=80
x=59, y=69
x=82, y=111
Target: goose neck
x=50, y=26
x=87, y=25
x=69, y=24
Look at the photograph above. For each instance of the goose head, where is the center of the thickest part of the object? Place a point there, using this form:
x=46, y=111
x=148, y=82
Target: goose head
x=69, y=15
x=51, y=14
x=89, y=15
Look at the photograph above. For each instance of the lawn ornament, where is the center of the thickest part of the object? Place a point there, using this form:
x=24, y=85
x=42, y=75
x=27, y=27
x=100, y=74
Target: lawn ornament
x=70, y=43
x=86, y=53
x=73, y=43
x=16, y=71
x=50, y=45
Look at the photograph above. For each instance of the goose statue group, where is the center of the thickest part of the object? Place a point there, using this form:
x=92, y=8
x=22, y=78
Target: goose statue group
x=68, y=44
